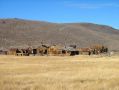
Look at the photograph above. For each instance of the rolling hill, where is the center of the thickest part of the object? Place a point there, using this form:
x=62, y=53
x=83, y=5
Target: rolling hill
x=23, y=33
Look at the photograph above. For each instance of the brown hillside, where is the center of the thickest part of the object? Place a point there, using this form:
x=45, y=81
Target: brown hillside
x=24, y=33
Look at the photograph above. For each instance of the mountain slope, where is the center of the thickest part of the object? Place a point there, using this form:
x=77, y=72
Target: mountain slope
x=24, y=33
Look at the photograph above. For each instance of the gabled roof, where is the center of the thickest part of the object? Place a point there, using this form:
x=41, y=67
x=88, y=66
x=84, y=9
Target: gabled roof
x=69, y=49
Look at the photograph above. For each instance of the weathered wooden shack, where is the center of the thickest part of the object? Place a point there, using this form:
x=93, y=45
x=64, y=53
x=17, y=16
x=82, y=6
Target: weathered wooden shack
x=71, y=51
x=54, y=50
x=3, y=52
x=84, y=51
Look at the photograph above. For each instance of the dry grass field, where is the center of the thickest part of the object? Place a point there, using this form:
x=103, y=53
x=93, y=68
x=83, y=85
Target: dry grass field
x=59, y=73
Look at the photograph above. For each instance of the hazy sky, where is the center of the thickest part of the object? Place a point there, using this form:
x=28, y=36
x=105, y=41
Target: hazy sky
x=61, y=11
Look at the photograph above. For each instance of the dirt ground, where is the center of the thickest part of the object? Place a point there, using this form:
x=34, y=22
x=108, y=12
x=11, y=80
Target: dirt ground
x=59, y=73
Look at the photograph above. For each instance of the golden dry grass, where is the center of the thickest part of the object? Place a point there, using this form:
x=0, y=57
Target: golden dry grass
x=59, y=73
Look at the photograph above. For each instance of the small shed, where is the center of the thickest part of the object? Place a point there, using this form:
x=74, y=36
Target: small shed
x=70, y=51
